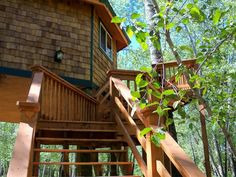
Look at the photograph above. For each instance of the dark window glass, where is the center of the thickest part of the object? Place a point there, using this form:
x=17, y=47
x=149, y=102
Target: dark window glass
x=109, y=49
x=105, y=41
x=103, y=38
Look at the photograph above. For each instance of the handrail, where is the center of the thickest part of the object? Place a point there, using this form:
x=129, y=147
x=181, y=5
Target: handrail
x=177, y=156
x=188, y=63
x=62, y=81
x=21, y=158
x=61, y=100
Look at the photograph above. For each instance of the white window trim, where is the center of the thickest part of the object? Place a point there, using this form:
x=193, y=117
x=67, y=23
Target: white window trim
x=100, y=42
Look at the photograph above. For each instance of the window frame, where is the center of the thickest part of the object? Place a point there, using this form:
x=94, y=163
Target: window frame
x=105, y=51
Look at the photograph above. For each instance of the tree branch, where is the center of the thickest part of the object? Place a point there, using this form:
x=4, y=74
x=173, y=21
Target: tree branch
x=208, y=55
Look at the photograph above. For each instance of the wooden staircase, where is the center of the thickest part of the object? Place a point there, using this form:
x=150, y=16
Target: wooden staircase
x=94, y=138
x=58, y=113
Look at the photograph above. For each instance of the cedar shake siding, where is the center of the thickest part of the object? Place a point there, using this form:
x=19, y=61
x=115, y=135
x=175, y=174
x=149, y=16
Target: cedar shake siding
x=32, y=30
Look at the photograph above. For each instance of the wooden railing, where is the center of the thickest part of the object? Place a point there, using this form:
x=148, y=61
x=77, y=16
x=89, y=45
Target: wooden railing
x=20, y=164
x=50, y=98
x=155, y=164
x=61, y=100
x=168, y=71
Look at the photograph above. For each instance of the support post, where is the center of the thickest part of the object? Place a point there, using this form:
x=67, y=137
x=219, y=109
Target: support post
x=153, y=153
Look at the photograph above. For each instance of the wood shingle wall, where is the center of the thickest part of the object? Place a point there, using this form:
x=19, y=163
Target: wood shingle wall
x=31, y=31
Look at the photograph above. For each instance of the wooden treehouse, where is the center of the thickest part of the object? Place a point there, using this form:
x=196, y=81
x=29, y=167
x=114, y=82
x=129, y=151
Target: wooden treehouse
x=74, y=94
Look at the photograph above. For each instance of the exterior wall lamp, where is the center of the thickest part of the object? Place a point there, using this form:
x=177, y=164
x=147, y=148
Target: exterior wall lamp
x=59, y=54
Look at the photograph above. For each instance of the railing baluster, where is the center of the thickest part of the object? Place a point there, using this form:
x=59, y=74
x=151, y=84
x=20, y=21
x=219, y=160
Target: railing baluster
x=128, y=84
x=59, y=102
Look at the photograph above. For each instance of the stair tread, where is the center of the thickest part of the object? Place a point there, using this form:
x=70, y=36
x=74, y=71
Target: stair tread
x=77, y=130
x=71, y=121
x=107, y=176
x=82, y=163
x=80, y=150
x=77, y=139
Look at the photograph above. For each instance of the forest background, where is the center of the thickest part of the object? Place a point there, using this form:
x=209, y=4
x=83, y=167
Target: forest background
x=201, y=29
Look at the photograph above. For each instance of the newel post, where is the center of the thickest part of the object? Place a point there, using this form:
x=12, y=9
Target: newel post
x=21, y=162
x=153, y=153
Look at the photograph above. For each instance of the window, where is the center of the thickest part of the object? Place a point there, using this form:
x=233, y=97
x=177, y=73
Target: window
x=105, y=41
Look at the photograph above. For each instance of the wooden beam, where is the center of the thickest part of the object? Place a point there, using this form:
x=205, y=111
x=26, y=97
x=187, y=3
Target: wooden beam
x=28, y=106
x=19, y=165
x=22, y=157
x=82, y=163
x=131, y=144
x=131, y=122
x=80, y=151
x=181, y=161
x=161, y=169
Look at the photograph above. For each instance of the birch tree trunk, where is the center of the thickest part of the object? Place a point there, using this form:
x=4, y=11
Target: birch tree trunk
x=150, y=11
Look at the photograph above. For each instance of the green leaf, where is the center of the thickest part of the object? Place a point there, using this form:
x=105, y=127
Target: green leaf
x=161, y=134
x=190, y=5
x=144, y=45
x=217, y=16
x=135, y=94
x=185, y=21
x=204, y=91
x=143, y=83
x=168, y=92
x=135, y=15
x=195, y=12
x=146, y=69
x=155, y=140
x=152, y=104
x=129, y=31
x=145, y=131
x=190, y=125
x=169, y=122
x=156, y=94
x=141, y=36
x=159, y=111
x=141, y=24
x=166, y=109
x=149, y=91
x=142, y=105
x=117, y=19
x=161, y=23
x=156, y=84
x=138, y=78
x=178, y=29
x=170, y=25
x=186, y=48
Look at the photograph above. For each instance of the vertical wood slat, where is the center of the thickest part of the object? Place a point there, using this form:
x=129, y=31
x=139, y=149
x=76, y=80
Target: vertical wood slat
x=46, y=98
x=42, y=114
x=63, y=102
x=128, y=84
x=59, y=102
x=55, y=100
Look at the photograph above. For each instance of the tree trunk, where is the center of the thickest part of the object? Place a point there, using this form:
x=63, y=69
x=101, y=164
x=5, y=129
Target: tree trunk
x=205, y=141
x=150, y=11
